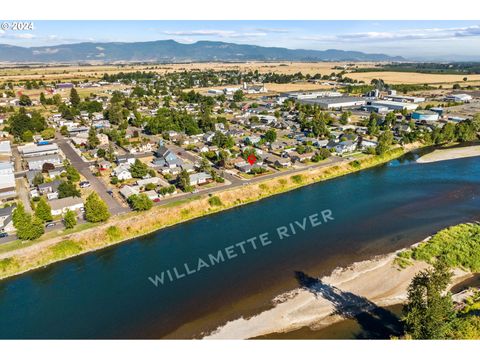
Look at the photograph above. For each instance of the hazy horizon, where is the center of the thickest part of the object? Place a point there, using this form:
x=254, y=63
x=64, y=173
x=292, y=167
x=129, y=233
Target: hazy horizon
x=414, y=40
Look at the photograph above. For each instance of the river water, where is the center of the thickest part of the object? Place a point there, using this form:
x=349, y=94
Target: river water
x=109, y=293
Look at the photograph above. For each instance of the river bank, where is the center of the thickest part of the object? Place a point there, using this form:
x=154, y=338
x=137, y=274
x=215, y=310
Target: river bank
x=363, y=288
x=450, y=154
x=129, y=226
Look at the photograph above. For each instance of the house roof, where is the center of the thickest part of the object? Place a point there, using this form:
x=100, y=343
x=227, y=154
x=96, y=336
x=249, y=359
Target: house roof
x=59, y=204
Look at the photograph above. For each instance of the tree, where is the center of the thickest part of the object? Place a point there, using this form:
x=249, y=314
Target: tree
x=27, y=136
x=21, y=122
x=138, y=169
x=67, y=189
x=183, y=181
x=72, y=173
x=93, y=141
x=238, y=96
x=74, y=97
x=140, y=202
x=25, y=101
x=345, y=117
x=48, y=133
x=28, y=227
x=31, y=229
x=43, y=99
x=385, y=140
x=43, y=210
x=18, y=215
x=64, y=130
x=47, y=167
x=70, y=219
x=95, y=209
x=38, y=179
x=429, y=312
x=270, y=136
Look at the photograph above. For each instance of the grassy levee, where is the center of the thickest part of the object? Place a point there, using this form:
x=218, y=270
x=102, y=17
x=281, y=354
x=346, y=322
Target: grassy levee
x=22, y=257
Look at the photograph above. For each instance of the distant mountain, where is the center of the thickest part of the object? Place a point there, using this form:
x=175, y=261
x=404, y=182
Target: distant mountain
x=172, y=51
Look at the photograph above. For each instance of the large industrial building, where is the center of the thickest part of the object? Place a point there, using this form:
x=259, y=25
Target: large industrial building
x=302, y=95
x=405, y=98
x=395, y=105
x=458, y=97
x=425, y=115
x=338, y=102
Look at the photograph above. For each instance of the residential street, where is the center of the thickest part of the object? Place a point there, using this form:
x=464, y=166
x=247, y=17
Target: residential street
x=83, y=168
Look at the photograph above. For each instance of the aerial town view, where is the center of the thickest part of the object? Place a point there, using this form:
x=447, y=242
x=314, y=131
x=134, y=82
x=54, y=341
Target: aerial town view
x=264, y=180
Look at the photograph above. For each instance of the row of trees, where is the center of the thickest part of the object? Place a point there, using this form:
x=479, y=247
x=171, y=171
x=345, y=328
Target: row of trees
x=32, y=226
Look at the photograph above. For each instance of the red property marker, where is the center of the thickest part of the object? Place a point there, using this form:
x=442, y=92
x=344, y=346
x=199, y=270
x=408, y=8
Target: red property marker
x=251, y=159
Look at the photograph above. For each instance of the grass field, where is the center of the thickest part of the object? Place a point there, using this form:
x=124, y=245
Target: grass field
x=391, y=77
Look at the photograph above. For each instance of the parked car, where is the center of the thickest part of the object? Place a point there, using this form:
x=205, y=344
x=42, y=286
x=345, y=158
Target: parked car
x=84, y=184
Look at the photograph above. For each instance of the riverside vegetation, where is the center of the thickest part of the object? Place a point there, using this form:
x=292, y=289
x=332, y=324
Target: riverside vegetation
x=430, y=312
x=28, y=256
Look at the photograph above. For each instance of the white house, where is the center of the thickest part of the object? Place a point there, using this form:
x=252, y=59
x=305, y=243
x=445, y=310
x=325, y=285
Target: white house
x=199, y=178
x=122, y=172
x=60, y=206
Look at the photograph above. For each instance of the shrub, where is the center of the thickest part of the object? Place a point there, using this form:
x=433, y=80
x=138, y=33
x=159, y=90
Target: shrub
x=215, y=201
x=297, y=179
x=114, y=233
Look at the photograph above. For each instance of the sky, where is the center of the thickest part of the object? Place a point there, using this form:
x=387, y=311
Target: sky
x=416, y=40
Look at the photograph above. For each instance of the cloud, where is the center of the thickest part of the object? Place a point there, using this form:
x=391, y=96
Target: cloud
x=401, y=35
x=273, y=30
x=226, y=34
x=45, y=51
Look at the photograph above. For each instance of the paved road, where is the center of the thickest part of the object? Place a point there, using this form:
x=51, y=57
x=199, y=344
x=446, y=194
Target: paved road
x=238, y=182
x=97, y=184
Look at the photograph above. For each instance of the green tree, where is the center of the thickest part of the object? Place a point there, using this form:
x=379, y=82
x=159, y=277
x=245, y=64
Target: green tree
x=28, y=227
x=72, y=173
x=183, y=181
x=19, y=215
x=93, y=141
x=43, y=210
x=67, y=189
x=385, y=140
x=345, y=117
x=138, y=169
x=95, y=209
x=74, y=97
x=64, y=130
x=429, y=311
x=38, y=179
x=25, y=101
x=31, y=229
x=270, y=136
x=27, y=136
x=48, y=133
x=70, y=219
x=238, y=96
x=140, y=202
x=43, y=99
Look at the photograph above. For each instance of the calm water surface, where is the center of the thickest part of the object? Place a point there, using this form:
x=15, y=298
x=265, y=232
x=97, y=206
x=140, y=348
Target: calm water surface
x=107, y=294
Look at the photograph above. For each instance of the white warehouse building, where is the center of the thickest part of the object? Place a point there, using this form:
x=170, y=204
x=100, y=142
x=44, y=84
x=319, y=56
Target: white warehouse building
x=338, y=102
x=395, y=105
x=459, y=97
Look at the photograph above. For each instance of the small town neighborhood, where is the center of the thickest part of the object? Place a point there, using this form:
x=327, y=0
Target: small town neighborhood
x=149, y=139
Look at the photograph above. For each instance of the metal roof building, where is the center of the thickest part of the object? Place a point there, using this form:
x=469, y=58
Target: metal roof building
x=335, y=102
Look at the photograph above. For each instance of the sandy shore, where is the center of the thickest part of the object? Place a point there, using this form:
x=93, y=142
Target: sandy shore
x=449, y=154
x=360, y=287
